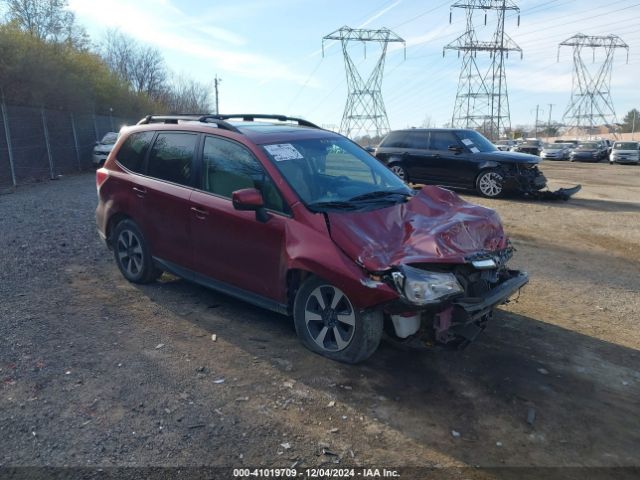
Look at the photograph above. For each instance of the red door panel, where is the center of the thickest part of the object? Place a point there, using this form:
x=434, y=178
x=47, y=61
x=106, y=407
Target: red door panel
x=233, y=247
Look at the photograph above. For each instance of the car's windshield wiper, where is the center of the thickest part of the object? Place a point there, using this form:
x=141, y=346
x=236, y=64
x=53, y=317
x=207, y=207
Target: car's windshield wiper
x=336, y=204
x=380, y=194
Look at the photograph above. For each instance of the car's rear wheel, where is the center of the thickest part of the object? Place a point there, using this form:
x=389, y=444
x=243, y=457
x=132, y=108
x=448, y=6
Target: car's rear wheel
x=327, y=323
x=400, y=171
x=490, y=184
x=132, y=253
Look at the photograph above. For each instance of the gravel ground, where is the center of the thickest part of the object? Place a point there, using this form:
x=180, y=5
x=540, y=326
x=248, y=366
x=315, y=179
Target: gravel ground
x=98, y=372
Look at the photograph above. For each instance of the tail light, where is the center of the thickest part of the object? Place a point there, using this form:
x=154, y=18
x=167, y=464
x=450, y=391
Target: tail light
x=101, y=175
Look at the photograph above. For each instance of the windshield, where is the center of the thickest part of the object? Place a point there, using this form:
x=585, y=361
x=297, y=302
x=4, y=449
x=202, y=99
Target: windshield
x=476, y=142
x=109, y=138
x=588, y=146
x=334, y=173
x=557, y=146
x=625, y=146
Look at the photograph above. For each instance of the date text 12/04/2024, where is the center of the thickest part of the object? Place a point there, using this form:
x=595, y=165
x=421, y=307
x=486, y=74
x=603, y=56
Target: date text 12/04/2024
x=316, y=473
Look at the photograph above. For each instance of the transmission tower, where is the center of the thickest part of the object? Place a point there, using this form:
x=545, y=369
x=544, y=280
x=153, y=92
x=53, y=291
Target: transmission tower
x=591, y=102
x=482, y=101
x=364, y=111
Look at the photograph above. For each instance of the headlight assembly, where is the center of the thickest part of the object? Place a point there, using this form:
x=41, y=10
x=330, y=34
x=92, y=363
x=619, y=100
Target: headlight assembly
x=422, y=287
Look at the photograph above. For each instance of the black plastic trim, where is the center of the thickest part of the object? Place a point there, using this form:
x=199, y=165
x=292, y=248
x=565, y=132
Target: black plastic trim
x=244, y=295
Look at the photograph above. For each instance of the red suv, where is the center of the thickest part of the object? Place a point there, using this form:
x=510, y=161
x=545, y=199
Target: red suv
x=302, y=221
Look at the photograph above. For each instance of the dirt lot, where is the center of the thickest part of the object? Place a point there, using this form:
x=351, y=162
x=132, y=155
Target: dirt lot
x=95, y=371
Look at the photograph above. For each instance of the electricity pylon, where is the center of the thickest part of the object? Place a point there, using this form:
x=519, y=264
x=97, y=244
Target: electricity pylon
x=364, y=112
x=482, y=100
x=591, y=102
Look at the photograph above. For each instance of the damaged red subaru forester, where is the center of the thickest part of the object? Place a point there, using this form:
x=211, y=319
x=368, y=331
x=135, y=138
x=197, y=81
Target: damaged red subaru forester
x=299, y=220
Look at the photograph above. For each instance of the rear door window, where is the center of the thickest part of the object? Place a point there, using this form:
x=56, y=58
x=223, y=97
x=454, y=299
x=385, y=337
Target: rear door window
x=133, y=150
x=171, y=157
x=418, y=140
x=442, y=140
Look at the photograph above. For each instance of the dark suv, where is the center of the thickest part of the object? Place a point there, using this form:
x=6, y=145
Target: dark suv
x=304, y=222
x=459, y=159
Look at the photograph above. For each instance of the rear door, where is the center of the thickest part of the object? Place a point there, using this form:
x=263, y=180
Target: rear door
x=166, y=191
x=229, y=245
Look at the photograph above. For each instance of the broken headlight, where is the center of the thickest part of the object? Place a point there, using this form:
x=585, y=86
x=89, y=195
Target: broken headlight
x=422, y=287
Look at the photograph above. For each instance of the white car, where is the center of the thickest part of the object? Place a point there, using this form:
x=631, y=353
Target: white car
x=625, y=152
x=103, y=148
x=505, y=145
x=556, y=151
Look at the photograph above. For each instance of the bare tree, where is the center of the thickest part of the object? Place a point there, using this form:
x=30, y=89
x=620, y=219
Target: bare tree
x=187, y=95
x=47, y=20
x=141, y=66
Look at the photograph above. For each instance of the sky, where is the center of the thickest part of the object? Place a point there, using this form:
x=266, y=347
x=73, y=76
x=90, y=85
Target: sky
x=269, y=56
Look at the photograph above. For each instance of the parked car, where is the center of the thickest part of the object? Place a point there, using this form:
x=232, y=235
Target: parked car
x=102, y=148
x=459, y=159
x=505, y=145
x=531, y=146
x=574, y=143
x=556, y=151
x=302, y=221
x=591, y=151
x=625, y=152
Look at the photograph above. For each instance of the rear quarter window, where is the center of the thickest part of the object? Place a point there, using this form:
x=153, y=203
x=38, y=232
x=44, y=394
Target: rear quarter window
x=396, y=140
x=133, y=150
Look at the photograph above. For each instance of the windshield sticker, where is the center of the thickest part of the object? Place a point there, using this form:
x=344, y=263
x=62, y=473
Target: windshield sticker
x=467, y=142
x=474, y=150
x=283, y=151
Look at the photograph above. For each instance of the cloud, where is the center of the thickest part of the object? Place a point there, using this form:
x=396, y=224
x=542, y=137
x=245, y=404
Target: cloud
x=168, y=28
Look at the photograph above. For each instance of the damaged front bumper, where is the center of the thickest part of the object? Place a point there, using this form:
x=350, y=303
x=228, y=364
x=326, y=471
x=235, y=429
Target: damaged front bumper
x=456, y=320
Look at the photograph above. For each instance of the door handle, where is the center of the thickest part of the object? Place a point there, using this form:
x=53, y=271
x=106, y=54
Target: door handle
x=140, y=192
x=200, y=213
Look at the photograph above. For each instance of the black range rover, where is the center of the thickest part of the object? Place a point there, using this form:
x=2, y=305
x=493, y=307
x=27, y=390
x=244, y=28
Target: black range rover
x=459, y=159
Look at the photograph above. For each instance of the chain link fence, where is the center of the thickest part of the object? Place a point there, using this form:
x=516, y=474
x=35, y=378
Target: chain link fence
x=38, y=144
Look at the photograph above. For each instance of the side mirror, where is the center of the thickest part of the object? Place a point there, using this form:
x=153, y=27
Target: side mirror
x=370, y=149
x=250, y=199
x=454, y=148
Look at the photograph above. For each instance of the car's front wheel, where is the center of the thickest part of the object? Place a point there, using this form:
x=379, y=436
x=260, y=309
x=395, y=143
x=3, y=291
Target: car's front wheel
x=490, y=184
x=400, y=171
x=327, y=323
x=132, y=253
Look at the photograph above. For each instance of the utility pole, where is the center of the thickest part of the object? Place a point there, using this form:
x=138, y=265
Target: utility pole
x=549, y=122
x=216, y=82
x=364, y=112
x=535, y=127
x=633, y=124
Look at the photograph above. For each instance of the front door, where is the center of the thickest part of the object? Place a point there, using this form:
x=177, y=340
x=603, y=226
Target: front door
x=229, y=245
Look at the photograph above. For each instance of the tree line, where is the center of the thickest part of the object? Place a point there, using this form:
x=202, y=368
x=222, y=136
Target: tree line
x=47, y=59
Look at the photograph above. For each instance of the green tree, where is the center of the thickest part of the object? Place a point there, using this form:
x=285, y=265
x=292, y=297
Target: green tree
x=631, y=120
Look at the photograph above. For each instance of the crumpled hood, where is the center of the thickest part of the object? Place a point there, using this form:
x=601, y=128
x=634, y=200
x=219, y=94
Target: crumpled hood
x=435, y=226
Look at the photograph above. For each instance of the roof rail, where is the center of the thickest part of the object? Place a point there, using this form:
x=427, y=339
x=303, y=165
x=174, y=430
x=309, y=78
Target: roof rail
x=250, y=117
x=194, y=117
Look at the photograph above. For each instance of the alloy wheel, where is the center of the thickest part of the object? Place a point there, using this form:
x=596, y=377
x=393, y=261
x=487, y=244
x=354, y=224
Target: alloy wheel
x=399, y=171
x=130, y=253
x=490, y=184
x=330, y=318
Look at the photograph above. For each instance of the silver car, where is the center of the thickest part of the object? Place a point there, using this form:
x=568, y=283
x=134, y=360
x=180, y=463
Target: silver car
x=625, y=152
x=103, y=148
x=556, y=151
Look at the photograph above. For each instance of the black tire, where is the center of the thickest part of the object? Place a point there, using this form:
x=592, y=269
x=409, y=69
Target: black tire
x=132, y=253
x=362, y=338
x=400, y=171
x=489, y=184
